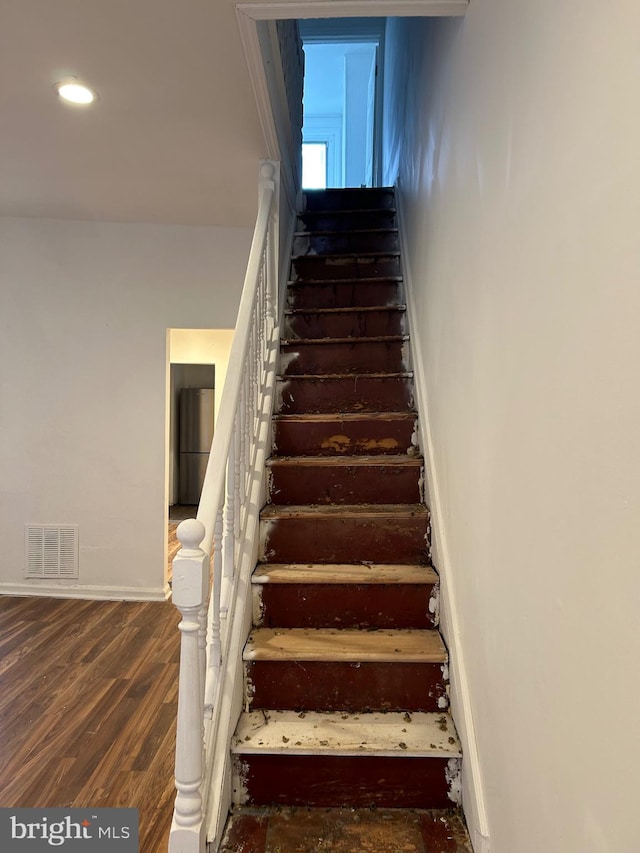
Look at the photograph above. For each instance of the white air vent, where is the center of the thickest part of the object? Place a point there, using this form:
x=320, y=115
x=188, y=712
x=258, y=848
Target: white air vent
x=51, y=551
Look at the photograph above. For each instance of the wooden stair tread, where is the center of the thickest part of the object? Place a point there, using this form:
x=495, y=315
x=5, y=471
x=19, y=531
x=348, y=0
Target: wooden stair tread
x=353, y=376
x=383, y=253
x=345, y=233
x=361, y=511
x=349, y=280
x=339, y=417
x=379, y=339
x=396, y=460
x=419, y=734
x=347, y=211
x=343, y=573
x=365, y=309
x=335, y=644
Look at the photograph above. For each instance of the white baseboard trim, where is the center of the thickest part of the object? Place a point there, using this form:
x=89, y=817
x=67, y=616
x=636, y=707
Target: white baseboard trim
x=105, y=593
x=473, y=797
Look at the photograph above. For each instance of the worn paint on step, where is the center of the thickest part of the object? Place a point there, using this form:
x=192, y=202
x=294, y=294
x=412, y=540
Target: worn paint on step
x=390, y=479
x=347, y=355
x=345, y=293
x=395, y=733
x=330, y=267
x=345, y=434
x=351, y=687
x=351, y=781
x=345, y=534
x=290, y=830
x=346, y=597
x=345, y=323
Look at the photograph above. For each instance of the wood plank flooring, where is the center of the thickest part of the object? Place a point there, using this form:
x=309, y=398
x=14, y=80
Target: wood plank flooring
x=174, y=547
x=88, y=702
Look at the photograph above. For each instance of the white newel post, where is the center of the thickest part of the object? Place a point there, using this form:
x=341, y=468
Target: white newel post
x=190, y=592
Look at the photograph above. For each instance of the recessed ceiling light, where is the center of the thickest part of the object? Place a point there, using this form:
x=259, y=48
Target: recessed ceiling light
x=74, y=92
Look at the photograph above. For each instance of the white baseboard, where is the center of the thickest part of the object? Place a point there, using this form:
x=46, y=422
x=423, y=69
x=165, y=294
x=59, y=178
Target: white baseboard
x=473, y=797
x=106, y=593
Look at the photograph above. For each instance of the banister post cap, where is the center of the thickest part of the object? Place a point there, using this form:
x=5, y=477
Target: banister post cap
x=190, y=534
x=190, y=565
x=267, y=171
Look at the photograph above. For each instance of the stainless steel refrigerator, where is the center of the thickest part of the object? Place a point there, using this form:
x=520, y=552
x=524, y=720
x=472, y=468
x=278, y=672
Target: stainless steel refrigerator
x=196, y=433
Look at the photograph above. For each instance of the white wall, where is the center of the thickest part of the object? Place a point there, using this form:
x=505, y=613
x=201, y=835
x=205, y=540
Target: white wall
x=83, y=382
x=519, y=180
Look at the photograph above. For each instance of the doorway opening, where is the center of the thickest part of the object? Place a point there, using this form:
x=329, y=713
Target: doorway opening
x=341, y=131
x=197, y=362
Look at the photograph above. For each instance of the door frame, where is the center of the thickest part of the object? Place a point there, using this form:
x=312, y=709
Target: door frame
x=249, y=16
x=368, y=32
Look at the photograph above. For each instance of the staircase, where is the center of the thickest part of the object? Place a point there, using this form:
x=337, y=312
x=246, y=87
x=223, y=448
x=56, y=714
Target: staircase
x=346, y=690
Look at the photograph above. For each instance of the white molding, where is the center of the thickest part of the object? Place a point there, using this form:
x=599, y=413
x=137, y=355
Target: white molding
x=462, y=711
x=106, y=593
x=253, y=55
x=353, y=8
x=250, y=39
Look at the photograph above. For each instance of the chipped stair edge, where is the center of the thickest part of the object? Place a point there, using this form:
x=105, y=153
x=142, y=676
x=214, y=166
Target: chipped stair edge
x=418, y=734
x=327, y=759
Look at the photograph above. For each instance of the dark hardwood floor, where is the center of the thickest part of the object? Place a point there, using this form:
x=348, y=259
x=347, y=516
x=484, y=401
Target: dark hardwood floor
x=88, y=702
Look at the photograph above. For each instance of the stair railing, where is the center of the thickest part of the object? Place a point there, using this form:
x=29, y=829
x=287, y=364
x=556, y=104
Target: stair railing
x=222, y=540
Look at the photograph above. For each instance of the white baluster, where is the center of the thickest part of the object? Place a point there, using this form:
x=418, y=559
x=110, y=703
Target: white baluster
x=237, y=444
x=242, y=411
x=247, y=436
x=229, y=520
x=262, y=315
x=254, y=380
x=190, y=586
x=215, y=646
x=269, y=176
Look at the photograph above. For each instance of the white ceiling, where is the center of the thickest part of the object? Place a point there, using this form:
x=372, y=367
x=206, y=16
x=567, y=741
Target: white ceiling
x=175, y=135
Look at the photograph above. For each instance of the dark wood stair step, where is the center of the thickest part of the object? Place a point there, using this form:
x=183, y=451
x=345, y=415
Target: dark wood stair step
x=384, y=830
x=388, y=354
x=345, y=534
x=344, y=293
x=348, y=433
x=354, y=241
x=345, y=220
x=365, y=198
x=390, y=479
x=374, y=321
x=322, y=669
x=371, y=595
x=332, y=267
x=372, y=392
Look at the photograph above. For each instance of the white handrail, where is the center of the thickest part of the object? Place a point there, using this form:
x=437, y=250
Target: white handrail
x=216, y=540
x=215, y=476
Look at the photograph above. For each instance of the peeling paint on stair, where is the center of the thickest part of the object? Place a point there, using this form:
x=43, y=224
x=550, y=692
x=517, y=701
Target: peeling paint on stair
x=258, y=604
x=338, y=443
x=240, y=772
x=453, y=775
x=434, y=603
